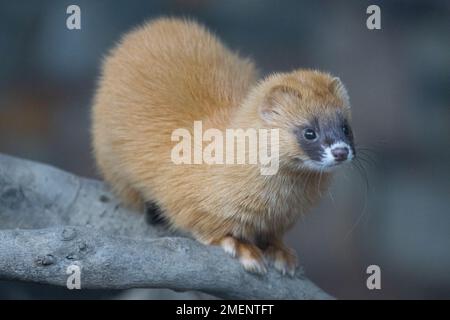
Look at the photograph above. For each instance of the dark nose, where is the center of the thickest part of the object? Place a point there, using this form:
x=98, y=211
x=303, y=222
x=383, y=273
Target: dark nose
x=340, y=154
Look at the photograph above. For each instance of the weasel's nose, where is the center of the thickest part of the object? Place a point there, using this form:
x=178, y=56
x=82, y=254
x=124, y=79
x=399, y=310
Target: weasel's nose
x=340, y=154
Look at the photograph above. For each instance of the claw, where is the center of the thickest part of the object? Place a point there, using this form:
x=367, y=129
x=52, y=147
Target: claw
x=283, y=259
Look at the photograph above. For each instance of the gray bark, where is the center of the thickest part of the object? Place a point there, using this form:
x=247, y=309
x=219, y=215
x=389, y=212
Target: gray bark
x=50, y=219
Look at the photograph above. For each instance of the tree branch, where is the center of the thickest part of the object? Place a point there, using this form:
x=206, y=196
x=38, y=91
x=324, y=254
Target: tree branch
x=50, y=219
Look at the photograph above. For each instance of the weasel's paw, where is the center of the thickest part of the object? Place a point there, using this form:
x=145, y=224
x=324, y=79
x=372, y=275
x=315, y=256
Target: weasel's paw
x=252, y=259
x=283, y=259
x=249, y=255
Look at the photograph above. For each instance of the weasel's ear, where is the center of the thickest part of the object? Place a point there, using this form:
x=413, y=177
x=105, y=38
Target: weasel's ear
x=337, y=87
x=274, y=101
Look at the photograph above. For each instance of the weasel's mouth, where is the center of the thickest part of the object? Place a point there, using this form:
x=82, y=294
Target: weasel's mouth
x=325, y=164
x=328, y=160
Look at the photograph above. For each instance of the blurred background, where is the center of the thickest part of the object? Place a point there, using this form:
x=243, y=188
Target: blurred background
x=393, y=210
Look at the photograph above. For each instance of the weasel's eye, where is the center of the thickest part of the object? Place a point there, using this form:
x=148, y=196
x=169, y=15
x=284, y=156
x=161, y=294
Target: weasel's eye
x=346, y=130
x=309, y=134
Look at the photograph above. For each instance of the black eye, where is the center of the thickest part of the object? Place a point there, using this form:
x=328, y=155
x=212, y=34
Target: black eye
x=346, y=130
x=309, y=134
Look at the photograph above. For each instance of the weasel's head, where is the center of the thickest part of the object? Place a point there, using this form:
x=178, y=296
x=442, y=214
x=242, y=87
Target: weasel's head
x=312, y=111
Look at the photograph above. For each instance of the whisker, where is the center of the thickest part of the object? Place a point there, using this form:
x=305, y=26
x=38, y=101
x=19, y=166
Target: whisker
x=332, y=198
x=367, y=160
x=362, y=172
x=319, y=191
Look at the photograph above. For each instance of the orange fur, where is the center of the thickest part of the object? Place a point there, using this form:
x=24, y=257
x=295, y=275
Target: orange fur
x=169, y=73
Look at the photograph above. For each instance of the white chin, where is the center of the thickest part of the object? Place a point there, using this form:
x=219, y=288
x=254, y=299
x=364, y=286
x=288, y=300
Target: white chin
x=319, y=166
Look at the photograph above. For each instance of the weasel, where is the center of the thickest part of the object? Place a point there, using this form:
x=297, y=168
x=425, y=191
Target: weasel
x=169, y=73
